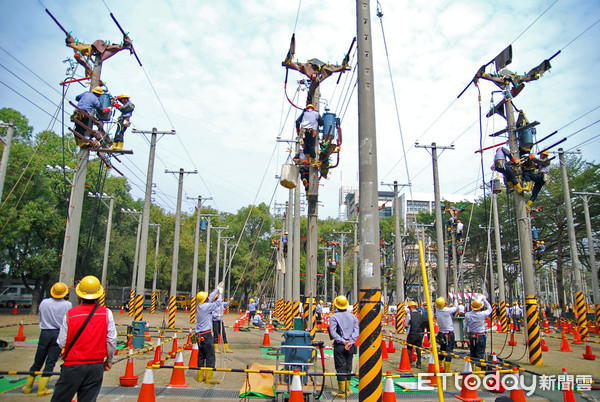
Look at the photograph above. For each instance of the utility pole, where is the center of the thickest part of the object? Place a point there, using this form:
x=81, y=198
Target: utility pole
x=355, y=267
x=342, y=260
x=499, y=264
x=370, y=277
x=288, y=295
x=173, y=291
x=492, y=295
x=195, y=266
x=226, y=240
x=141, y=275
x=207, y=262
x=591, y=250
x=296, y=254
x=580, y=308
x=135, y=256
x=154, y=302
x=231, y=248
x=107, y=241
x=5, y=152
x=219, y=230
x=325, y=249
x=442, y=285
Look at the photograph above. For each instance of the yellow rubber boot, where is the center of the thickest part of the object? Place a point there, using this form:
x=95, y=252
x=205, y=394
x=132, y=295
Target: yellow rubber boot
x=528, y=205
x=529, y=186
x=227, y=350
x=201, y=376
x=519, y=188
x=210, y=379
x=217, y=348
x=348, y=390
x=447, y=367
x=27, y=388
x=341, y=390
x=42, y=384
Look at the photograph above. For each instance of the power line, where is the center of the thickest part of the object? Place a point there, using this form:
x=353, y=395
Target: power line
x=534, y=21
x=30, y=70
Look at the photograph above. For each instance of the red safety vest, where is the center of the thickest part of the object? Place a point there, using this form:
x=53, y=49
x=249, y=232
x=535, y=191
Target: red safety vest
x=90, y=347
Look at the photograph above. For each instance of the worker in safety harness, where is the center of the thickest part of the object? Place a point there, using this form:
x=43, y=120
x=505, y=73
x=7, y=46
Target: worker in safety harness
x=415, y=323
x=506, y=168
x=344, y=331
x=126, y=107
x=475, y=329
x=307, y=126
x=540, y=178
x=207, y=303
x=445, y=337
x=219, y=328
x=88, y=102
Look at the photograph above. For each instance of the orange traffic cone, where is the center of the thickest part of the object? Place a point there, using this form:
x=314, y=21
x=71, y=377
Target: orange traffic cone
x=544, y=346
x=296, y=394
x=122, y=310
x=426, y=343
x=174, y=350
x=178, y=375
x=157, y=353
x=389, y=393
x=266, y=339
x=15, y=310
x=588, y=355
x=20, y=336
x=391, y=348
x=431, y=369
x=404, y=362
x=564, y=344
x=384, y=353
x=436, y=329
x=194, y=356
x=577, y=337
x=188, y=343
x=129, y=380
x=186, y=310
x=236, y=326
x=494, y=358
x=517, y=394
x=468, y=368
x=512, y=341
x=467, y=391
x=567, y=389
x=147, y=393
x=494, y=383
x=414, y=354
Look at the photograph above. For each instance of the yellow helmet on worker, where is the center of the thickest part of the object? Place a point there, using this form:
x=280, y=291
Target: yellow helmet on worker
x=545, y=152
x=89, y=288
x=412, y=303
x=59, y=290
x=98, y=90
x=201, y=297
x=320, y=301
x=341, y=303
x=251, y=300
x=124, y=95
x=310, y=106
x=476, y=305
x=440, y=302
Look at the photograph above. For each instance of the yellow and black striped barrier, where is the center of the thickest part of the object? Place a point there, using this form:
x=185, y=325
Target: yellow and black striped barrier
x=131, y=302
x=139, y=307
x=400, y=317
x=533, y=331
x=581, y=312
x=289, y=318
x=172, y=311
x=153, y=303
x=193, y=310
x=370, y=364
x=354, y=309
x=503, y=317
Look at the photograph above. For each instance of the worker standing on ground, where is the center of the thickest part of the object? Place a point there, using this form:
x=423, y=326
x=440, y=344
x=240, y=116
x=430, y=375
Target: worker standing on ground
x=52, y=312
x=415, y=324
x=88, y=102
x=344, y=331
x=307, y=126
x=251, y=309
x=445, y=337
x=219, y=328
x=474, y=327
x=517, y=314
x=126, y=107
x=206, y=304
x=89, y=338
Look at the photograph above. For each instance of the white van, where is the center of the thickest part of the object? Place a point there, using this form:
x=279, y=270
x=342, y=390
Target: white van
x=16, y=294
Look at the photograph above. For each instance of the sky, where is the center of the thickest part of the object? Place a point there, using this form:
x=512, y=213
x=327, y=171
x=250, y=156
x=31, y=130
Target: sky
x=212, y=71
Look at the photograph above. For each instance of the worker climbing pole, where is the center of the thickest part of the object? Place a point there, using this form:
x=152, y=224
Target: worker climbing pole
x=511, y=85
x=91, y=57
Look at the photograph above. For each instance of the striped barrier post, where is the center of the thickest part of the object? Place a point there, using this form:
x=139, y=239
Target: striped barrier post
x=139, y=307
x=172, y=310
x=153, y=303
x=370, y=363
x=581, y=315
x=533, y=331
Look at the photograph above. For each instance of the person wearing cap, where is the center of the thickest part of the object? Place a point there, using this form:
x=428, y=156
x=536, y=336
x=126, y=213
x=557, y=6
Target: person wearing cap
x=257, y=320
x=219, y=328
x=474, y=327
x=517, y=314
x=88, y=102
x=206, y=304
x=307, y=126
x=445, y=336
x=504, y=166
x=52, y=311
x=343, y=329
x=88, y=338
x=126, y=107
x=540, y=178
x=319, y=311
x=415, y=322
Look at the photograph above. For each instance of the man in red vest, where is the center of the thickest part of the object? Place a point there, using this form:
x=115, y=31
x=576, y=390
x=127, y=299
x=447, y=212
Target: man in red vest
x=88, y=337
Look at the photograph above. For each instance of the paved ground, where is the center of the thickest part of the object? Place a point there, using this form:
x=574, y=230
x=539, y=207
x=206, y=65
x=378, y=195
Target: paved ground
x=246, y=347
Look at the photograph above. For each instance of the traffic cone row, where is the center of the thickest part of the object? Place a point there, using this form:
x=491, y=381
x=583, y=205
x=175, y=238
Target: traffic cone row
x=426, y=343
x=129, y=380
x=157, y=353
x=391, y=348
x=122, y=310
x=194, y=356
x=384, y=353
x=174, y=350
x=188, y=343
x=20, y=335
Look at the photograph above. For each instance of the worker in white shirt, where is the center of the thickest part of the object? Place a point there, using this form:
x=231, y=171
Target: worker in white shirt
x=445, y=336
x=475, y=328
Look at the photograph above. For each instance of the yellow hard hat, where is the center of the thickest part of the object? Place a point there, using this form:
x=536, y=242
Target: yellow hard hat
x=201, y=297
x=310, y=105
x=412, y=304
x=515, y=303
x=123, y=95
x=251, y=300
x=341, y=303
x=476, y=305
x=545, y=152
x=98, y=90
x=89, y=288
x=59, y=290
x=440, y=302
x=321, y=302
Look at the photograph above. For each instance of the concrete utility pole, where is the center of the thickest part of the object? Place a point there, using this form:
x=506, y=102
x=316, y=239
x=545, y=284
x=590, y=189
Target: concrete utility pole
x=5, y=152
x=135, y=256
x=325, y=249
x=174, y=268
x=580, y=307
x=296, y=249
x=442, y=285
x=231, y=248
x=108, y=229
x=343, y=237
x=141, y=276
x=355, y=267
x=370, y=276
x=219, y=230
x=491, y=295
x=207, y=262
x=194, y=290
x=154, y=301
x=499, y=265
x=288, y=262
x=226, y=240
x=591, y=250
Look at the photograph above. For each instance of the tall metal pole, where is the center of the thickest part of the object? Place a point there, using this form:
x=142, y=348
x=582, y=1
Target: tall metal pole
x=154, y=296
x=108, y=231
x=591, y=251
x=499, y=265
x=131, y=303
x=370, y=385
x=288, y=261
x=141, y=275
x=207, y=262
x=398, y=246
x=175, y=265
x=580, y=308
x=342, y=260
x=5, y=153
x=218, y=257
x=296, y=249
x=325, y=273
x=229, y=271
x=195, y=263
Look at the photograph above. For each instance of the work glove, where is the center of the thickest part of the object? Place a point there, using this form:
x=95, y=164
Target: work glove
x=531, y=157
x=106, y=109
x=221, y=287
